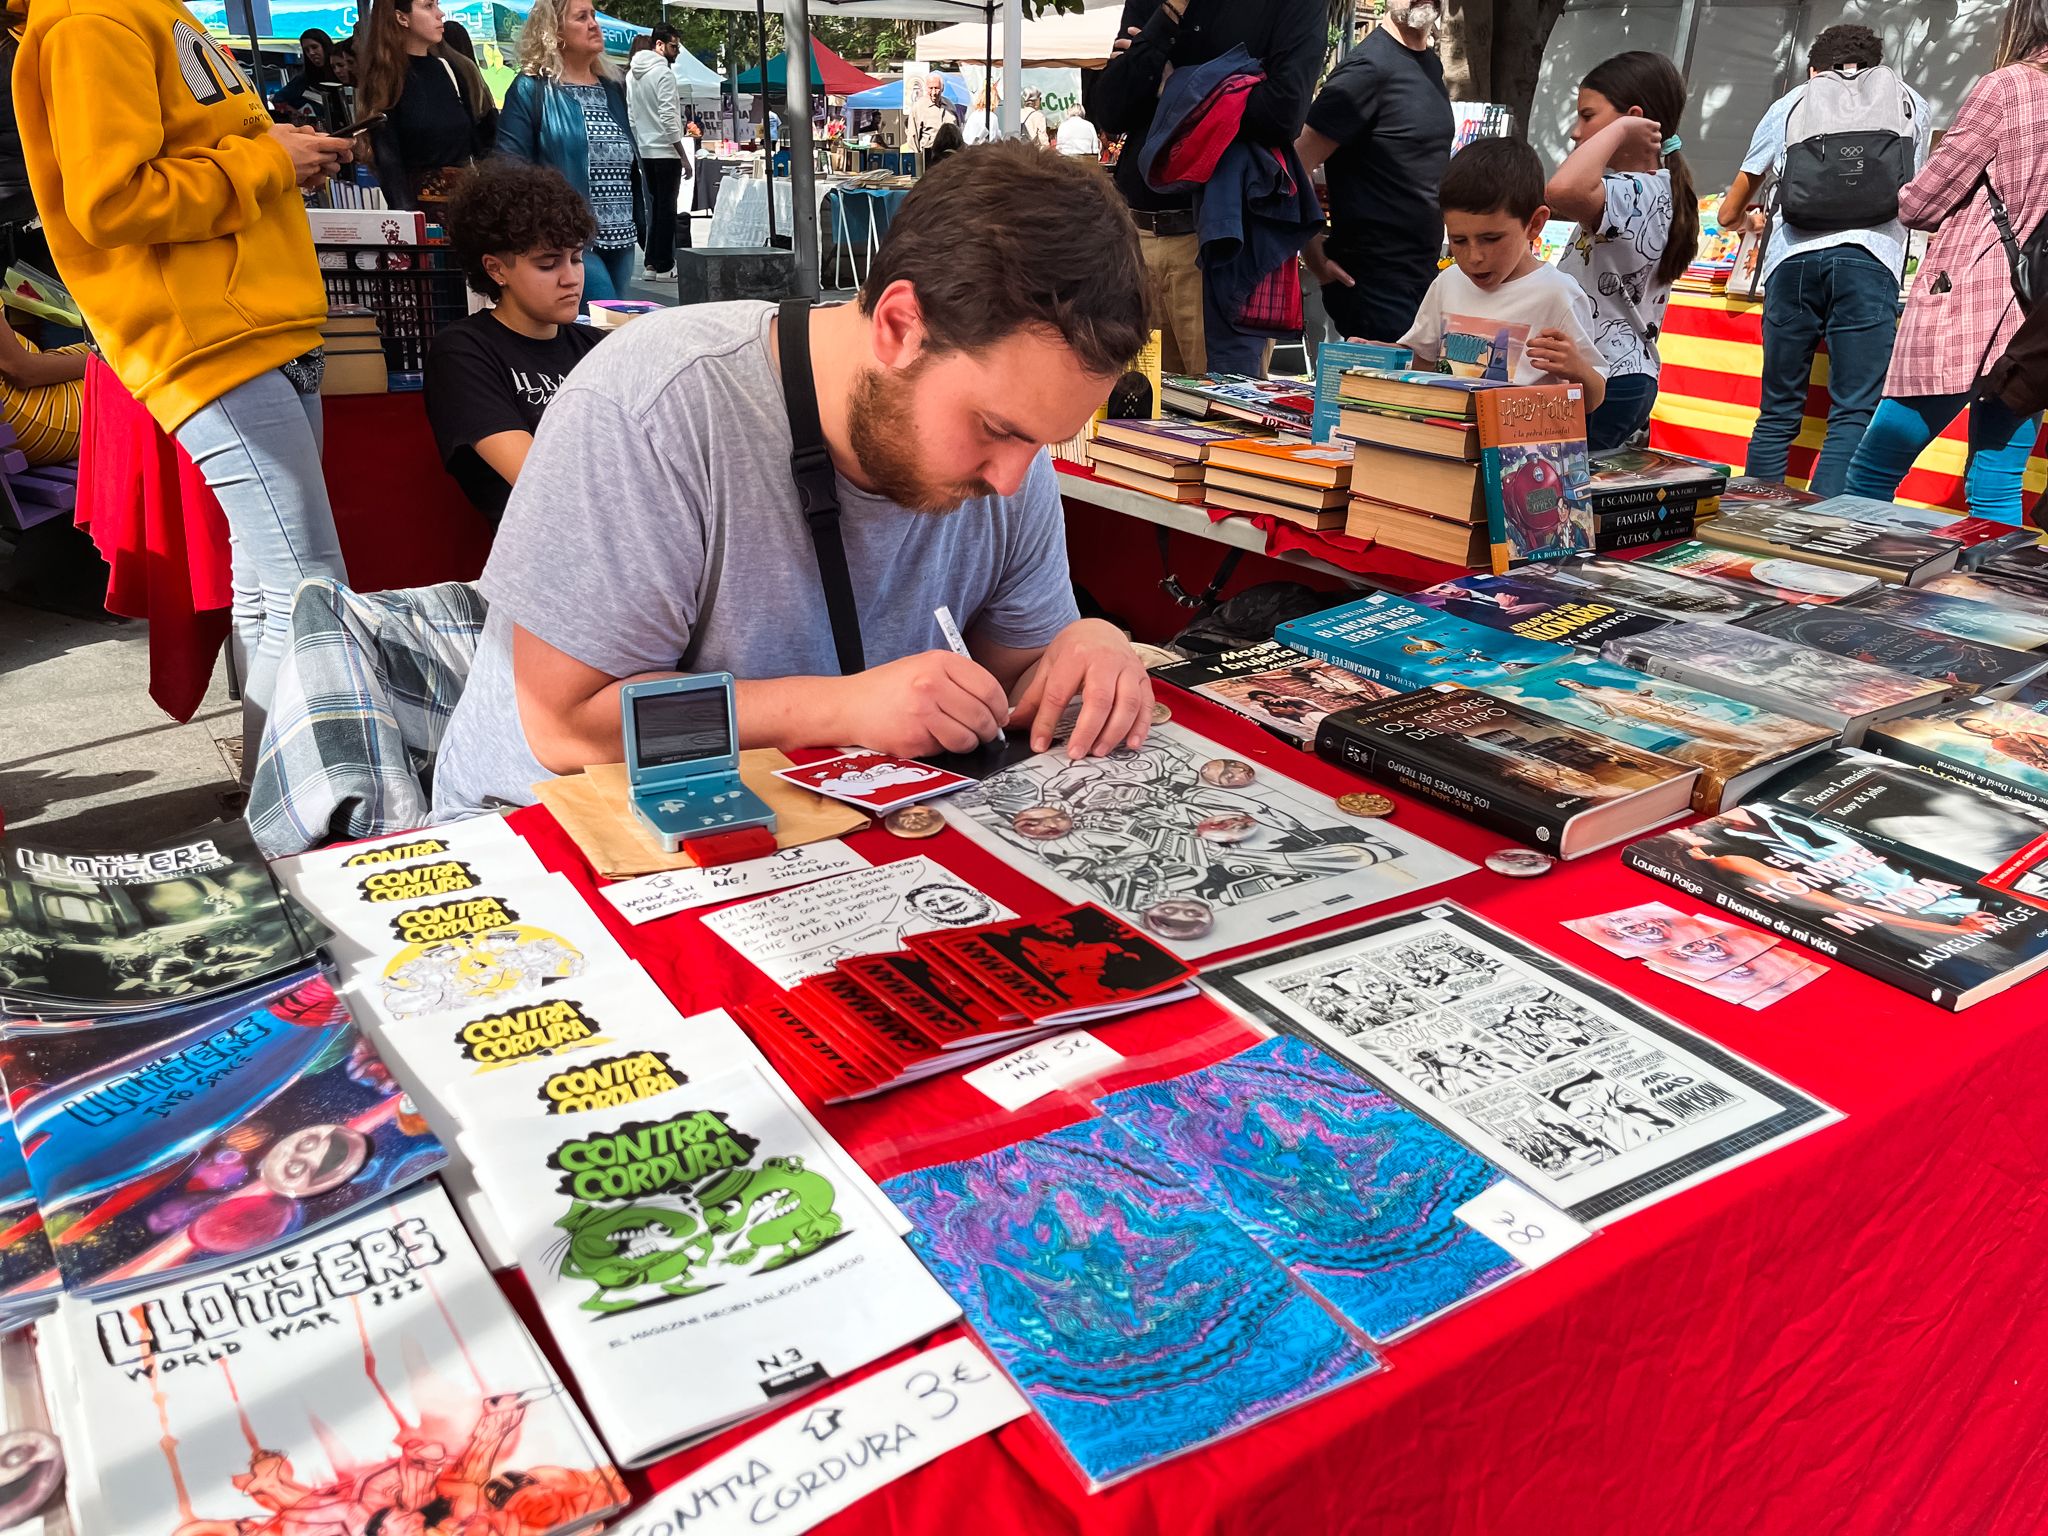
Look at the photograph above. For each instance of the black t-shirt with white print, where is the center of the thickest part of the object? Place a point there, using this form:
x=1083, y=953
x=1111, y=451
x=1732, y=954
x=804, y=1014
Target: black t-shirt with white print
x=482, y=378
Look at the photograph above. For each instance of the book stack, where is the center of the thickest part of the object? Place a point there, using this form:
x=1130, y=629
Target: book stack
x=1280, y=405
x=1642, y=496
x=1300, y=483
x=960, y=995
x=1415, y=462
x=1161, y=458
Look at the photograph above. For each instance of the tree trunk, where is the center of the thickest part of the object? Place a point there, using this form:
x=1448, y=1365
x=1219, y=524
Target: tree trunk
x=1493, y=49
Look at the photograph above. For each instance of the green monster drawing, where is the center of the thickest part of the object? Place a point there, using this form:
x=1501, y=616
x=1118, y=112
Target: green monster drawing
x=779, y=1205
x=634, y=1254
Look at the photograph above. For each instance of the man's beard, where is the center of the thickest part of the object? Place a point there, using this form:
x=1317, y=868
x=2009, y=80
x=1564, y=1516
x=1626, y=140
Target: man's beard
x=1417, y=18
x=881, y=423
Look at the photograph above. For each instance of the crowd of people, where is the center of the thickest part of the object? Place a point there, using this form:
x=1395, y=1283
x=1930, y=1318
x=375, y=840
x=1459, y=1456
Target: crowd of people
x=177, y=224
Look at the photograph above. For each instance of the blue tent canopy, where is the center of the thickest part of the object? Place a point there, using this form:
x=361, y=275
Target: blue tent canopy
x=889, y=97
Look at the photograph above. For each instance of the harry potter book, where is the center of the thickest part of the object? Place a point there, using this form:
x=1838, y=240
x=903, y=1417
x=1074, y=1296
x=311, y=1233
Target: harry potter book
x=1403, y=645
x=1989, y=744
x=1564, y=790
x=367, y=1377
x=1532, y=462
x=1887, y=914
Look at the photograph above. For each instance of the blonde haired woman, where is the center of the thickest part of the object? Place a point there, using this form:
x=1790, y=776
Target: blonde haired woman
x=567, y=109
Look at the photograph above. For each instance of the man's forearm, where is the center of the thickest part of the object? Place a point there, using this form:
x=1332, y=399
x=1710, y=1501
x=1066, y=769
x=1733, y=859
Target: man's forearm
x=789, y=712
x=780, y=712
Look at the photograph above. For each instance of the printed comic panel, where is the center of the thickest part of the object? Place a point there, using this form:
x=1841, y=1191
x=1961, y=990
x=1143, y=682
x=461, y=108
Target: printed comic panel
x=1673, y=1087
x=1602, y=1100
x=1439, y=966
x=1351, y=997
x=1530, y=1024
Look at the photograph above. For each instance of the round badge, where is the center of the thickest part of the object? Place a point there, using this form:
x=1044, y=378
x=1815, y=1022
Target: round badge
x=31, y=1467
x=1178, y=917
x=313, y=1161
x=1519, y=863
x=1040, y=822
x=1161, y=714
x=915, y=821
x=1228, y=772
x=1363, y=804
x=1231, y=827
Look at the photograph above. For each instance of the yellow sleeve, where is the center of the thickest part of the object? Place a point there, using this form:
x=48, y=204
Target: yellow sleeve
x=108, y=135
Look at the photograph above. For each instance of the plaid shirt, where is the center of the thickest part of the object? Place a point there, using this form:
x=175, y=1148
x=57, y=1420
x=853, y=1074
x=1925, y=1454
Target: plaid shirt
x=1948, y=340
x=362, y=700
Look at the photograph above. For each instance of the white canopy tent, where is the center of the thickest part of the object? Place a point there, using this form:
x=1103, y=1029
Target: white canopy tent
x=1075, y=41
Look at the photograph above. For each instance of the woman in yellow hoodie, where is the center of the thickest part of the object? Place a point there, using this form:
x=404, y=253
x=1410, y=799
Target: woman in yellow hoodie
x=171, y=202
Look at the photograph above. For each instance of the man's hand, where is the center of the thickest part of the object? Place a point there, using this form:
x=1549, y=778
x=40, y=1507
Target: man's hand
x=1091, y=660
x=1756, y=221
x=931, y=702
x=1321, y=268
x=1555, y=352
x=315, y=156
x=1123, y=44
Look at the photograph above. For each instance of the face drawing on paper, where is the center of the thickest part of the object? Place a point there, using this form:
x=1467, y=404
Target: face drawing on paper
x=452, y=973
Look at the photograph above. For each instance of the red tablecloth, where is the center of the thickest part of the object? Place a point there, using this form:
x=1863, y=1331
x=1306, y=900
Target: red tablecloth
x=1845, y=1336
x=402, y=521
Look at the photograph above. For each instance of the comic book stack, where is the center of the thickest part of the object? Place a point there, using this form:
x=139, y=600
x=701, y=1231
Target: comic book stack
x=960, y=995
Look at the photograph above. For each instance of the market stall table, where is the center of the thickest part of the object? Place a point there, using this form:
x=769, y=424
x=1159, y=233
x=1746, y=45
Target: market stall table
x=1842, y=1336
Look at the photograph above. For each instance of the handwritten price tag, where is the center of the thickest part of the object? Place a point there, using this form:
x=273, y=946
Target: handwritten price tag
x=821, y=1459
x=683, y=890
x=1040, y=1069
x=1532, y=1231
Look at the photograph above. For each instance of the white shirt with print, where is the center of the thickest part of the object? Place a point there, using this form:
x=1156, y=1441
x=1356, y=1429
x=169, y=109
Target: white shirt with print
x=1486, y=335
x=1616, y=263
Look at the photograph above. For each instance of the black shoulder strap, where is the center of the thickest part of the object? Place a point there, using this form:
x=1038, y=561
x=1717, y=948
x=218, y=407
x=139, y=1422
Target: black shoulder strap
x=810, y=465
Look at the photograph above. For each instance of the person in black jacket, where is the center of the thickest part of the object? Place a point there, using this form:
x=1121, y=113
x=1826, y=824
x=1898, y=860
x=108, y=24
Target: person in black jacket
x=1287, y=37
x=306, y=92
x=440, y=117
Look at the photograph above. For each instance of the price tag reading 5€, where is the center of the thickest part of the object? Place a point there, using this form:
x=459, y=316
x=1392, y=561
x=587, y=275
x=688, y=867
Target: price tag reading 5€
x=1531, y=1231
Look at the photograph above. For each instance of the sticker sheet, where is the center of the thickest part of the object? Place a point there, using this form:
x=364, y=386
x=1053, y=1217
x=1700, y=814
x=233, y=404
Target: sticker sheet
x=806, y=931
x=1200, y=849
x=1591, y=1100
x=1138, y=1320
x=1357, y=1196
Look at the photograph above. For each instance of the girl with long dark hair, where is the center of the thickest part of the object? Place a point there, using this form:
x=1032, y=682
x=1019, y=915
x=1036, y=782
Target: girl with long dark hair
x=1628, y=188
x=440, y=115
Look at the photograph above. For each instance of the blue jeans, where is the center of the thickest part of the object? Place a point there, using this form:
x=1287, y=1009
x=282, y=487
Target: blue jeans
x=606, y=273
x=1847, y=296
x=1624, y=413
x=258, y=447
x=1999, y=445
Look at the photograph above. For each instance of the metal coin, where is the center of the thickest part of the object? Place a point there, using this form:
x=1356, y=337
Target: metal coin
x=1042, y=822
x=1228, y=772
x=1179, y=917
x=1519, y=863
x=313, y=1161
x=1161, y=714
x=915, y=821
x=1364, y=804
x=1231, y=827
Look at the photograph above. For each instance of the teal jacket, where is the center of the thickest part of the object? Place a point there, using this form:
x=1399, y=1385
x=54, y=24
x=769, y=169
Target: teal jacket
x=543, y=124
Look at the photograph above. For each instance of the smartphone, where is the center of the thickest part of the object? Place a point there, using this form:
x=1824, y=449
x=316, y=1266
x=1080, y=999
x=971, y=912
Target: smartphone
x=360, y=125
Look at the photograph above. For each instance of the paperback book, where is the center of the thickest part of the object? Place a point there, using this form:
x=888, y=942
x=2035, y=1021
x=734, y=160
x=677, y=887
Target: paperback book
x=1273, y=686
x=371, y=1377
x=1985, y=586
x=1277, y=403
x=697, y=1238
x=1809, y=535
x=1403, y=644
x=1641, y=527
x=1527, y=603
x=1844, y=695
x=1626, y=478
x=1185, y=440
x=1782, y=579
x=1560, y=788
x=1357, y=1197
x=158, y=1149
x=1989, y=744
x=1887, y=914
x=1964, y=617
x=1978, y=538
x=1139, y=1321
x=1735, y=745
x=2025, y=566
x=29, y=1281
x=1067, y=968
x=1971, y=665
x=1654, y=589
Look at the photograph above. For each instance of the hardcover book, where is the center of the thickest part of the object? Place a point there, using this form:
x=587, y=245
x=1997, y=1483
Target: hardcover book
x=1532, y=462
x=1405, y=645
x=1808, y=534
x=1624, y=478
x=1891, y=916
x=1439, y=437
x=1562, y=789
x=1274, y=686
x=2026, y=567
x=160, y=1148
x=1278, y=403
x=1316, y=464
x=1653, y=589
x=1992, y=745
x=1640, y=527
x=1994, y=841
x=1415, y=389
x=1735, y=745
x=1859, y=635
x=1979, y=538
x=1985, y=586
x=371, y=1377
x=1964, y=617
x=1749, y=490
x=1783, y=580
x=1174, y=439
x=1525, y=603
x=1845, y=696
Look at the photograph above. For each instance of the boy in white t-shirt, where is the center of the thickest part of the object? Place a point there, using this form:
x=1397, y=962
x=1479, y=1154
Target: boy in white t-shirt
x=1499, y=312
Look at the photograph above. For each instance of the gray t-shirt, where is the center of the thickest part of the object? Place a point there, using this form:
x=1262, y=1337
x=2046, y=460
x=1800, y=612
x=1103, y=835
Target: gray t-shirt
x=655, y=519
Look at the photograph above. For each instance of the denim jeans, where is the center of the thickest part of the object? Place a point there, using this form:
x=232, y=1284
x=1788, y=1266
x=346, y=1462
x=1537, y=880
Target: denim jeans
x=258, y=447
x=1624, y=413
x=1999, y=445
x=606, y=273
x=1844, y=295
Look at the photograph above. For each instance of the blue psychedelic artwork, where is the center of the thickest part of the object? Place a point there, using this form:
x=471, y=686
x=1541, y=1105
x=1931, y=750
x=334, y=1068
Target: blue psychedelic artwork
x=28, y=1271
x=208, y=1136
x=1353, y=1193
x=1139, y=1322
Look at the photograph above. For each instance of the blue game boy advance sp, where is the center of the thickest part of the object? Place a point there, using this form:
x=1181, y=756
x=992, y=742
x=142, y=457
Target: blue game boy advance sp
x=683, y=759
